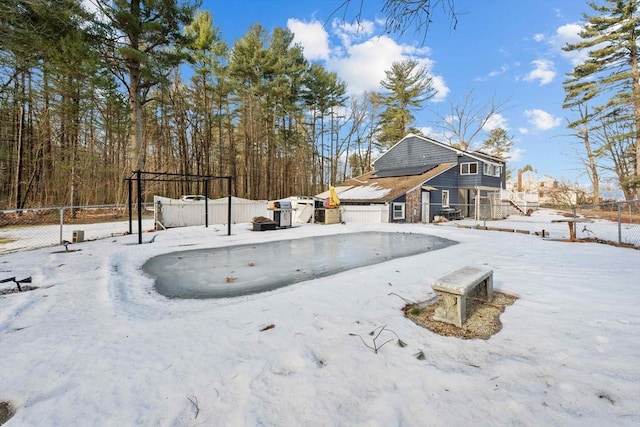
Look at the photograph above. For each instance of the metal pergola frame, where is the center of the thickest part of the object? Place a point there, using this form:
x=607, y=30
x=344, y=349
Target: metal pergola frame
x=140, y=176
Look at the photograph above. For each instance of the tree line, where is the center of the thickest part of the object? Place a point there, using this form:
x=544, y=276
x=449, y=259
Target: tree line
x=86, y=98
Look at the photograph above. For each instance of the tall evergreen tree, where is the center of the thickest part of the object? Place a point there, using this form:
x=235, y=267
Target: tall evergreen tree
x=498, y=143
x=407, y=85
x=608, y=80
x=206, y=52
x=323, y=91
x=144, y=51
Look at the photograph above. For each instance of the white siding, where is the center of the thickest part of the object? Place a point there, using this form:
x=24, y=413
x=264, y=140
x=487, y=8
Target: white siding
x=374, y=214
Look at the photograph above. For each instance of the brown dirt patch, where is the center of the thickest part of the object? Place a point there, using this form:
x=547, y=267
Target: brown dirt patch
x=483, y=318
x=6, y=411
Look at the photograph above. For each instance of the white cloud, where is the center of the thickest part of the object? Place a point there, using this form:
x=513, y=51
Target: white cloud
x=502, y=70
x=568, y=34
x=348, y=32
x=357, y=56
x=541, y=119
x=496, y=121
x=430, y=132
x=311, y=36
x=538, y=37
x=442, y=90
x=516, y=154
x=523, y=130
x=543, y=71
x=362, y=65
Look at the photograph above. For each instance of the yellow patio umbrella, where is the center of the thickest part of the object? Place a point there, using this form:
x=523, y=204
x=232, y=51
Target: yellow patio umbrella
x=334, y=201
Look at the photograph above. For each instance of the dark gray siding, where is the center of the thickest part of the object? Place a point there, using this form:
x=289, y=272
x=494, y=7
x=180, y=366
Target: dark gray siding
x=414, y=151
x=445, y=181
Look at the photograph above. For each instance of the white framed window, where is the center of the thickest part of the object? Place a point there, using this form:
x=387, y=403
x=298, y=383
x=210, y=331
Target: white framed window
x=491, y=169
x=445, y=198
x=469, y=168
x=398, y=210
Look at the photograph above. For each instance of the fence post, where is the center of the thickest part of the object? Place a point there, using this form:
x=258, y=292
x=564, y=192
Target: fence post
x=139, y=191
x=206, y=203
x=61, y=222
x=619, y=223
x=229, y=206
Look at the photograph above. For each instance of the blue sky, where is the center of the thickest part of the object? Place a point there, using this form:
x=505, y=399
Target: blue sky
x=502, y=49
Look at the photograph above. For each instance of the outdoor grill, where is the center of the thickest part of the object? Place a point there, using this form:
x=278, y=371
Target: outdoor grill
x=282, y=213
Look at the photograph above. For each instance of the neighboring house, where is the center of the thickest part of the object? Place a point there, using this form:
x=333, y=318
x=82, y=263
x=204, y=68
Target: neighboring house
x=545, y=190
x=420, y=178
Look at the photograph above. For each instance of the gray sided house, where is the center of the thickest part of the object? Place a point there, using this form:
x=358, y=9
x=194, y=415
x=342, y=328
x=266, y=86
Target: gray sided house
x=420, y=178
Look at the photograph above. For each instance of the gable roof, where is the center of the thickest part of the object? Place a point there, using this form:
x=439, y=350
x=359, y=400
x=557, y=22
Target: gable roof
x=478, y=155
x=370, y=188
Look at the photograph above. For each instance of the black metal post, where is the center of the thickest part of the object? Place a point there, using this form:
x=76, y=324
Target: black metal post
x=138, y=178
x=130, y=205
x=206, y=203
x=229, y=206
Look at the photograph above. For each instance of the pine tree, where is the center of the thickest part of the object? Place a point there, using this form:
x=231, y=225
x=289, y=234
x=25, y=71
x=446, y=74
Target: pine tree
x=407, y=86
x=144, y=49
x=498, y=144
x=608, y=80
x=323, y=91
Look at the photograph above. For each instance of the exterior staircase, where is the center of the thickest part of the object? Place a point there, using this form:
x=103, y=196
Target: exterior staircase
x=515, y=205
x=522, y=202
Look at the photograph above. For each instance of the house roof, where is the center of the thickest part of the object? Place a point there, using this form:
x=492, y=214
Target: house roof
x=370, y=188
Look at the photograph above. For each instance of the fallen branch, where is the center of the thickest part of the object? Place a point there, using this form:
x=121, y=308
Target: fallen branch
x=194, y=402
x=402, y=298
x=376, y=334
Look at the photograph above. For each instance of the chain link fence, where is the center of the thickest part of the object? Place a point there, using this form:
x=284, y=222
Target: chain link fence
x=612, y=222
x=22, y=229
x=624, y=215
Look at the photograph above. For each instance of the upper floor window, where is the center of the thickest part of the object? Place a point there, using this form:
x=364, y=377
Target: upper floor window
x=469, y=168
x=492, y=170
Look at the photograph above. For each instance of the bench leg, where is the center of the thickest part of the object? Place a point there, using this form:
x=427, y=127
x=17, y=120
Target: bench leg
x=489, y=288
x=484, y=289
x=452, y=309
x=462, y=310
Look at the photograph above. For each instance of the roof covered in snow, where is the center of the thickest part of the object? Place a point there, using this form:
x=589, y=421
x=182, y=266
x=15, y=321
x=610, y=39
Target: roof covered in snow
x=370, y=188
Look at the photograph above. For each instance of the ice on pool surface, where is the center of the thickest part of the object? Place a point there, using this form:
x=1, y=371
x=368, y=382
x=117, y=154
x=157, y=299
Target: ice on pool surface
x=249, y=269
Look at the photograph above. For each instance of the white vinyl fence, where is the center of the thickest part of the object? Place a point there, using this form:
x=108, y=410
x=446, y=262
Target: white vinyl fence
x=177, y=213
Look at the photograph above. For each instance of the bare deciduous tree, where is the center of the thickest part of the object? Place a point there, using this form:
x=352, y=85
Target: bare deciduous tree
x=403, y=15
x=466, y=120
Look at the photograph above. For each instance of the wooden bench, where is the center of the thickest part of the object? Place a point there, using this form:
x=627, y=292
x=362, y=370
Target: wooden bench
x=454, y=288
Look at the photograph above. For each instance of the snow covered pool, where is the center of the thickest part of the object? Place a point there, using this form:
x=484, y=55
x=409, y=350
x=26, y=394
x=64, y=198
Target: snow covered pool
x=249, y=269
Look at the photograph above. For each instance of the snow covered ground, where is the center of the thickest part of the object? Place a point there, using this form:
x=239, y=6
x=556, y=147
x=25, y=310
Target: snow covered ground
x=96, y=345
